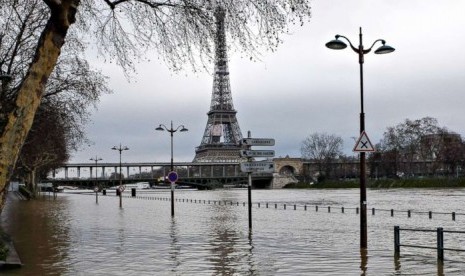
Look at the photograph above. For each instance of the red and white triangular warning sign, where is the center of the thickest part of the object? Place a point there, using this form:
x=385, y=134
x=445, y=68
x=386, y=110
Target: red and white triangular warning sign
x=363, y=144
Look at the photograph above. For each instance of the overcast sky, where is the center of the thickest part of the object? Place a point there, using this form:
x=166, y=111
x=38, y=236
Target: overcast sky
x=301, y=88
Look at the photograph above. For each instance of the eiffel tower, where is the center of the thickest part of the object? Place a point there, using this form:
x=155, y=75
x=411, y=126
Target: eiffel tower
x=222, y=136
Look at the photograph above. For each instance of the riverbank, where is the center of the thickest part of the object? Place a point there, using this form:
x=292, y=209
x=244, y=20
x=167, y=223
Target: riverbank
x=9, y=258
x=385, y=183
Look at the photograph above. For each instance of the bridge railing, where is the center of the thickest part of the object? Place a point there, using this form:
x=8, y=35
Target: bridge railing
x=155, y=170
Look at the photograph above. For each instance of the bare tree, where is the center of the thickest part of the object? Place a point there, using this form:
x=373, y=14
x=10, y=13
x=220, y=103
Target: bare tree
x=404, y=140
x=180, y=30
x=322, y=148
x=405, y=146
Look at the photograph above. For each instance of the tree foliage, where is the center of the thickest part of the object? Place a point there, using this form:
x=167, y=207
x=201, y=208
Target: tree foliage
x=182, y=32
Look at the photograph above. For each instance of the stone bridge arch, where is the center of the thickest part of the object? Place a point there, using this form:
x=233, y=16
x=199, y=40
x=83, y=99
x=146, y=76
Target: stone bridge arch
x=289, y=166
x=286, y=171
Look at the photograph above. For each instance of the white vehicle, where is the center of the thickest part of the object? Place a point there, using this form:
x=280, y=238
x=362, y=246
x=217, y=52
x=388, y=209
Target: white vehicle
x=138, y=185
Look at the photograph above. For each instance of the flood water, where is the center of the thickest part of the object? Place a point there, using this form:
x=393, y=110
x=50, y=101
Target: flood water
x=74, y=235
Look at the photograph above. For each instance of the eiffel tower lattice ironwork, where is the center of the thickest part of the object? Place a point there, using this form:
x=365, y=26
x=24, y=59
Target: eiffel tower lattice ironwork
x=222, y=136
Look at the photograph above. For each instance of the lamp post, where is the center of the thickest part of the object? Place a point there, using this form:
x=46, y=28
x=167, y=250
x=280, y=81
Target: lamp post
x=172, y=130
x=337, y=44
x=120, y=188
x=96, y=159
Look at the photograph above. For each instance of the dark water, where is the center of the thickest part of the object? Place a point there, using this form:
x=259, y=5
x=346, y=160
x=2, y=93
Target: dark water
x=73, y=235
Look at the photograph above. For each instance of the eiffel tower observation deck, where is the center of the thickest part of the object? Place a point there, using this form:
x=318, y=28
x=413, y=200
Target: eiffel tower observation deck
x=222, y=136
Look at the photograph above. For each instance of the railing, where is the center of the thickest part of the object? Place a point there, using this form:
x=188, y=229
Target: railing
x=439, y=241
x=310, y=206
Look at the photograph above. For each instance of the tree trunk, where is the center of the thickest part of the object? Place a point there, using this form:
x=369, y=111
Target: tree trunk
x=20, y=118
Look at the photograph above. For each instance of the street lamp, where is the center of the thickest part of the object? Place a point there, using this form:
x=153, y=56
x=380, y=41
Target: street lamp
x=337, y=44
x=120, y=188
x=171, y=130
x=96, y=159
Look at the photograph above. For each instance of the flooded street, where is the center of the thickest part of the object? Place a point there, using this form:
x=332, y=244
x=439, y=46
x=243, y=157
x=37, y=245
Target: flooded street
x=74, y=235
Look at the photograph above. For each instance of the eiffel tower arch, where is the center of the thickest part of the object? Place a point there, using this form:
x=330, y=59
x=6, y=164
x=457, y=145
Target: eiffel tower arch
x=222, y=136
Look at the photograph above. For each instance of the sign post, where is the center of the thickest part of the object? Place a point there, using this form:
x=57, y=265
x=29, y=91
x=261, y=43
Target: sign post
x=172, y=177
x=96, y=194
x=255, y=166
x=363, y=144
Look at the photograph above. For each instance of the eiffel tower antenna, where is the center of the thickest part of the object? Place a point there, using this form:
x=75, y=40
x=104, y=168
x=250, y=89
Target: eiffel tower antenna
x=222, y=136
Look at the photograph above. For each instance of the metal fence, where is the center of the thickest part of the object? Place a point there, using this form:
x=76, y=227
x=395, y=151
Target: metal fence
x=440, y=248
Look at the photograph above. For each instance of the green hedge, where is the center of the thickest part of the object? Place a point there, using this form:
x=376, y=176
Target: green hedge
x=385, y=183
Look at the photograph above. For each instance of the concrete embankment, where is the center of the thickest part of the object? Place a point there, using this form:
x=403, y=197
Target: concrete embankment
x=12, y=260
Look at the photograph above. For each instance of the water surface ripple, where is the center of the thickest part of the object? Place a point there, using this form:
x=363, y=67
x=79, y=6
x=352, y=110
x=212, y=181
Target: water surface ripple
x=73, y=235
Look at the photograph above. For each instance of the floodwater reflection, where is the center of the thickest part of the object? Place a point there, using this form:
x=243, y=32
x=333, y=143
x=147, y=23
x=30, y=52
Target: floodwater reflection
x=175, y=248
x=231, y=253
x=73, y=235
x=363, y=260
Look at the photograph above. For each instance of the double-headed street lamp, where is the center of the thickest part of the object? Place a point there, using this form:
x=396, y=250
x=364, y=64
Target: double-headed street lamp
x=96, y=159
x=337, y=44
x=120, y=188
x=172, y=130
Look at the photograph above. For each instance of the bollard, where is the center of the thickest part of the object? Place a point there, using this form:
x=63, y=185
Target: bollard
x=392, y=212
x=453, y=215
x=133, y=192
x=440, y=239
x=396, y=240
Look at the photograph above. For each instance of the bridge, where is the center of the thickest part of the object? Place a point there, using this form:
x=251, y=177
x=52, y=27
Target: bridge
x=204, y=175
x=195, y=174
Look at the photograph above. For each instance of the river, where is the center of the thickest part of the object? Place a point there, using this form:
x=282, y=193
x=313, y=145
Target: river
x=209, y=235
